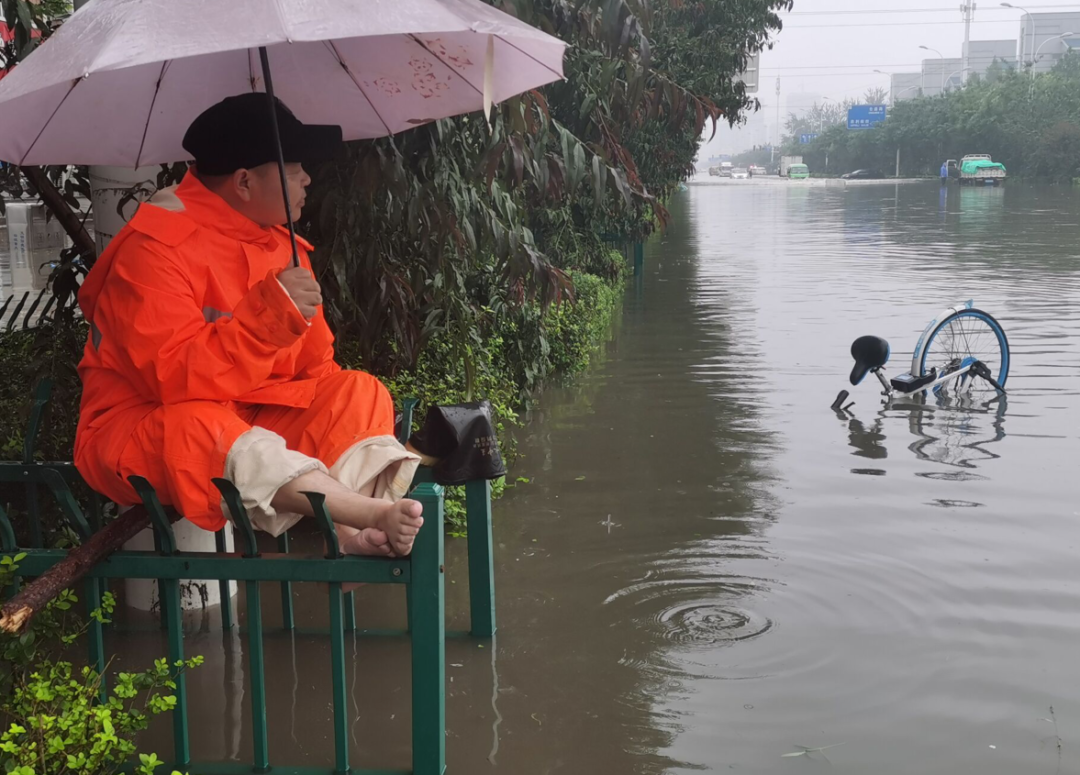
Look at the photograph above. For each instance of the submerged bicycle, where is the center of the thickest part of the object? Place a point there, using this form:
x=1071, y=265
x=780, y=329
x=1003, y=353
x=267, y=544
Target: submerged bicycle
x=963, y=350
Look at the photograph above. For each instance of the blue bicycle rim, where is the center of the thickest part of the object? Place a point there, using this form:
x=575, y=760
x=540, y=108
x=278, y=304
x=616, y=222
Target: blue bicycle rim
x=995, y=327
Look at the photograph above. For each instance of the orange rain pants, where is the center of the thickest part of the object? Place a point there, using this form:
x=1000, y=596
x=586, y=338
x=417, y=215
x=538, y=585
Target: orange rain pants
x=192, y=342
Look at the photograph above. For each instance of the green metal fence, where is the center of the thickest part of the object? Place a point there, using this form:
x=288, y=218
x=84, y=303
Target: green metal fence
x=422, y=574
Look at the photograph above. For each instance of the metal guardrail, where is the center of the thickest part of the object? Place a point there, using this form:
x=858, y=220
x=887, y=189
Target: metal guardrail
x=26, y=309
x=421, y=572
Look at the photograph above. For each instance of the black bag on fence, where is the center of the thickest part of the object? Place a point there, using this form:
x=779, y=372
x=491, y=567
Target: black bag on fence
x=463, y=439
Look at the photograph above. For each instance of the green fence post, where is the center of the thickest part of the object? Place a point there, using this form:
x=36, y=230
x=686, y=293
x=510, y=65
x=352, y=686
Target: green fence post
x=256, y=659
x=95, y=639
x=288, y=621
x=7, y=533
x=350, y=611
x=257, y=672
x=224, y=585
x=337, y=669
x=428, y=629
x=337, y=636
x=481, y=559
x=169, y=590
x=7, y=545
x=175, y=626
x=408, y=406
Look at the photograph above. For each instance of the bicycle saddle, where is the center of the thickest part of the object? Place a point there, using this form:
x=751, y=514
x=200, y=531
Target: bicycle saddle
x=869, y=352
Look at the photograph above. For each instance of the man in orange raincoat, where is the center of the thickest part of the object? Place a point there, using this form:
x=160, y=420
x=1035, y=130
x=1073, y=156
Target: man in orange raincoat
x=209, y=354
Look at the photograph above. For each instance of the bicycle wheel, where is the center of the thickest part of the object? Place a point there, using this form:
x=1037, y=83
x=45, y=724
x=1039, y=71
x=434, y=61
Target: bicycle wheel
x=963, y=337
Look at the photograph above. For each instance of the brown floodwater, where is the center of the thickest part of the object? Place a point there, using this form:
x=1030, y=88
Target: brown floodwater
x=709, y=568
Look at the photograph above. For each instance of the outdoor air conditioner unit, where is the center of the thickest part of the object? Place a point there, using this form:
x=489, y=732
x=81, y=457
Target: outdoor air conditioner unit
x=34, y=244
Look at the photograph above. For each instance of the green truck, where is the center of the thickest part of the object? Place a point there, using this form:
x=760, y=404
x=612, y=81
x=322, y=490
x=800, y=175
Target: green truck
x=977, y=169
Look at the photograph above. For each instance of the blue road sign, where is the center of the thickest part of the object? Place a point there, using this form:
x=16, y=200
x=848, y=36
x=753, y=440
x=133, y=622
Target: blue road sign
x=865, y=116
x=804, y=139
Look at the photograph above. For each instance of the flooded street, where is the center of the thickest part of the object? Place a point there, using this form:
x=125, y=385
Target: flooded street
x=710, y=568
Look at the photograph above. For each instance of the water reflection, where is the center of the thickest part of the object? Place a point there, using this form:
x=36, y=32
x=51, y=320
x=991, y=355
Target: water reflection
x=948, y=429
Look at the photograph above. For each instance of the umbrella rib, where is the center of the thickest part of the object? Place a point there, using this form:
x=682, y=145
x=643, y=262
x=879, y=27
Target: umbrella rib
x=337, y=55
x=150, y=113
x=77, y=81
x=420, y=43
x=550, y=69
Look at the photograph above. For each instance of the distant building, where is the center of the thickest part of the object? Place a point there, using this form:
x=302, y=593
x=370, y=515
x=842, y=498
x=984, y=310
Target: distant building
x=1037, y=33
x=983, y=53
x=940, y=73
x=904, y=86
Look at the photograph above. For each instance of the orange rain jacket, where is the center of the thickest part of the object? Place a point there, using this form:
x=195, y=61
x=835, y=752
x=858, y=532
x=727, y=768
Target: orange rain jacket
x=184, y=306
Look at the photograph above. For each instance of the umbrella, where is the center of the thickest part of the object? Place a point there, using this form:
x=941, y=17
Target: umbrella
x=121, y=80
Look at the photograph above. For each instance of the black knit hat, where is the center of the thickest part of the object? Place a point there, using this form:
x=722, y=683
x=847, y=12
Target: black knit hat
x=237, y=134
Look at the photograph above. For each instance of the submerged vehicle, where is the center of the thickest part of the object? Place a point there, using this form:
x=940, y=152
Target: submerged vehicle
x=798, y=172
x=977, y=169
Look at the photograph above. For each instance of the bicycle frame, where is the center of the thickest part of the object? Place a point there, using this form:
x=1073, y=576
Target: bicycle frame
x=890, y=392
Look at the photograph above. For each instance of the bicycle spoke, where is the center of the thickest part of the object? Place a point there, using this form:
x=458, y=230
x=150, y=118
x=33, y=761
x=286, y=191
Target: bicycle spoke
x=965, y=338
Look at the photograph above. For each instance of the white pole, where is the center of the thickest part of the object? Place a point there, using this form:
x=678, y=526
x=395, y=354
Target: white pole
x=776, y=142
x=968, y=9
x=1031, y=24
x=898, y=161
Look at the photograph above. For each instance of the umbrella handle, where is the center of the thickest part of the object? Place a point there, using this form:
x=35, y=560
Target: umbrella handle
x=265, y=60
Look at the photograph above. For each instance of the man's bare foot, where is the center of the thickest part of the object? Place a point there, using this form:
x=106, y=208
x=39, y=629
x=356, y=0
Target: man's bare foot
x=401, y=523
x=368, y=541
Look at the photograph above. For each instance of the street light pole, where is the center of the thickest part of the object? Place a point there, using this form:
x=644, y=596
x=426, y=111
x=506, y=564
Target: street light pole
x=882, y=72
x=941, y=65
x=1035, y=59
x=954, y=72
x=1031, y=26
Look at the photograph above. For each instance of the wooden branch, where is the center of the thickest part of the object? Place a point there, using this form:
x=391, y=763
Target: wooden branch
x=61, y=210
x=17, y=612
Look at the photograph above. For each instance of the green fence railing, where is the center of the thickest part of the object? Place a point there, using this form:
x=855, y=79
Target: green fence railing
x=422, y=574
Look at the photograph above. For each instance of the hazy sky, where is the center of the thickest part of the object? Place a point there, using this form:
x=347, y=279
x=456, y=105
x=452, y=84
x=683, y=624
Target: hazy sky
x=832, y=47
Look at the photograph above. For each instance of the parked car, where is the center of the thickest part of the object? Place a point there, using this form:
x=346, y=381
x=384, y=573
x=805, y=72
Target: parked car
x=714, y=171
x=740, y=173
x=863, y=175
x=757, y=169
